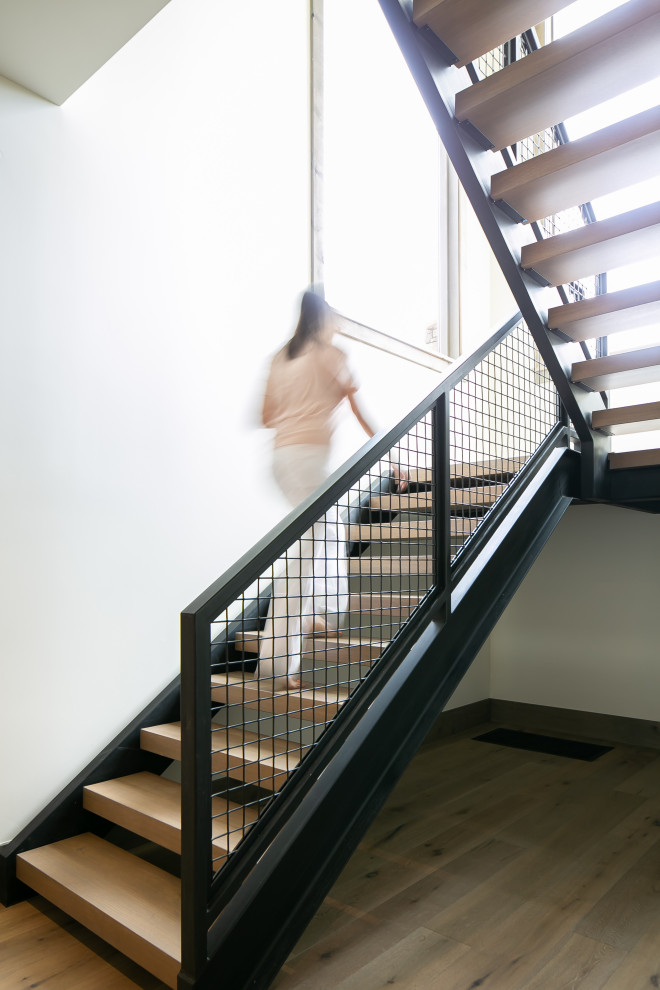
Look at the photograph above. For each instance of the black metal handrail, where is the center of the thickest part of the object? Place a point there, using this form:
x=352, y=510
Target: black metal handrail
x=457, y=432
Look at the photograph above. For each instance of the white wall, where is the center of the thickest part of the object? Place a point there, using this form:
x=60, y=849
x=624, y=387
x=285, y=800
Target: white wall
x=583, y=630
x=475, y=685
x=154, y=236
x=154, y=240
x=485, y=300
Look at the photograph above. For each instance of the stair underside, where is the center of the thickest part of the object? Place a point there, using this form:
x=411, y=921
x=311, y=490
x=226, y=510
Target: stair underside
x=597, y=247
x=129, y=903
x=566, y=77
x=635, y=459
x=628, y=419
x=631, y=368
x=471, y=28
x=609, y=313
x=582, y=170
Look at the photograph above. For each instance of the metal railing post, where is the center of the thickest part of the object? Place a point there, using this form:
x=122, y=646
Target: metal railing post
x=195, y=793
x=442, y=497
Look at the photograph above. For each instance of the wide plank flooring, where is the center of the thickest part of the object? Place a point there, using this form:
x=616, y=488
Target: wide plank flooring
x=488, y=867
x=501, y=869
x=40, y=946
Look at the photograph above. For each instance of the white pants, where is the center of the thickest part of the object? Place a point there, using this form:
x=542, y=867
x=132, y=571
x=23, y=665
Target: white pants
x=312, y=577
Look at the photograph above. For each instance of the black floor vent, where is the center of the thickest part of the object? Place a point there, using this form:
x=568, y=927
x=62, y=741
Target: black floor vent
x=571, y=748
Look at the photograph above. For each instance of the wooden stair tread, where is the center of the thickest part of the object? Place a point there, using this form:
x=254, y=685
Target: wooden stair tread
x=264, y=748
x=165, y=740
x=170, y=735
x=320, y=643
x=619, y=370
x=141, y=802
x=421, y=529
x=628, y=419
x=311, y=704
x=237, y=752
x=597, y=247
x=582, y=170
x=635, y=459
x=384, y=603
x=572, y=74
x=422, y=565
x=486, y=470
x=129, y=903
x=608, y=313
x=471, y=28
x=151, y=806
x=478, y=496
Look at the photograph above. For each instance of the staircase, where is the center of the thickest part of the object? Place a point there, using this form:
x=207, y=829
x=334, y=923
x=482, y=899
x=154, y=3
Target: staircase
x=606, y=58
x=134, y=904
x=277, y=785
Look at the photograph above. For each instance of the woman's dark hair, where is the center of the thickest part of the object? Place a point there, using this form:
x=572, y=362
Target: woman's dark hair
x=314, y=313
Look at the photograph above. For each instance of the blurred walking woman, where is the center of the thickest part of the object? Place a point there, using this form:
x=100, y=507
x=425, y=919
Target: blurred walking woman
x=308, y=379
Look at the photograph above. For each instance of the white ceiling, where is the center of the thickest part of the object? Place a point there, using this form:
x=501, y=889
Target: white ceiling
x=53, y=46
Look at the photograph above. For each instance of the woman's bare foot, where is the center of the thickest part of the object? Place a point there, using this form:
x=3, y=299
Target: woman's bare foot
x=291, y=682
x=313, y=624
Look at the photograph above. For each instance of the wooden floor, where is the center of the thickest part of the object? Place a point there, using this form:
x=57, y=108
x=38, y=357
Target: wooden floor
x=488, y=867
x=40, y=946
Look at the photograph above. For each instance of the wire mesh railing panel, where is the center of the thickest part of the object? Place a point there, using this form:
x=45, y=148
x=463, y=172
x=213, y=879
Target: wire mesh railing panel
x=500, y=413
x=298, y=642
x=275, y=654
x=492, y=62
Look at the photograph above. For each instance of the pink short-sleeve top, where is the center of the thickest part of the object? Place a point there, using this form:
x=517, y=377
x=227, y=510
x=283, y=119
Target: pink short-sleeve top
x=302, y=394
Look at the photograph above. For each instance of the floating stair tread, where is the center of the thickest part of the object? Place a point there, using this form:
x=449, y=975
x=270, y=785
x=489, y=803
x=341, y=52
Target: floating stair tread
x=141, y=802
x=151, y=806
x=582, y=170
x=471, y=28
x=410, y=502
x=129, y=903
x=572, y=74
x=234, y=751
x=307, y=703
x=485, y=470
x=387, y=532
x=391, y=565
x=628, y=419
x=611, y=312
x=253, y=748
x=164, y=740
x=476, y=497
x=344, y=650
x=380, y=603
x=320, y=643
x=597, y=247
x=619, y=370
x=635, y=459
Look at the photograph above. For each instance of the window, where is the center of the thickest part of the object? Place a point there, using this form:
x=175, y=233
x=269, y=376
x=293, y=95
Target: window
x=381, y=169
